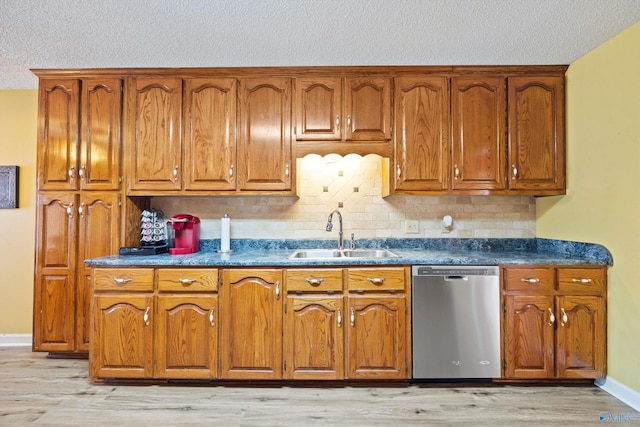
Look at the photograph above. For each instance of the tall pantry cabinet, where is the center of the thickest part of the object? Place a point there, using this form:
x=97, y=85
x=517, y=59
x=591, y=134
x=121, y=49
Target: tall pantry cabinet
x=78, y=203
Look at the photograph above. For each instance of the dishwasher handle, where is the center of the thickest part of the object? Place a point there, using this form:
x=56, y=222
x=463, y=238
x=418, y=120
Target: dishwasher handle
x=452, y=278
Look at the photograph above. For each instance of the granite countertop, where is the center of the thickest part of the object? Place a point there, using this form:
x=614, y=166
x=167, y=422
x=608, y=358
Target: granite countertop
x=258, y=253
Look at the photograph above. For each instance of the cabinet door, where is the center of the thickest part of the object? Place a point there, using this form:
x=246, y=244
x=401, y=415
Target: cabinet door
x=422, y=133
x=319, y=108
x=98, y=235
x=314, y=342
x=251, y=312
x=209, y=134
x=528, y=336
x=582, y=340
x=100, y=148
x=154, y=133
x=54, y=287
x=479, y=131
x=376, y=337
x=368, y=108
x=536, y=133
x=264, y=147
x=122, y=340
x=187, y=338
x=57, y=152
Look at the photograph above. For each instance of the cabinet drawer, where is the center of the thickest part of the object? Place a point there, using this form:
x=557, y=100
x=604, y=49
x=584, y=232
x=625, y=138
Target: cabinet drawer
x=123, y=279
x=582, y=279
x=314, y=280
x=529, y=279
x=376, y=279
x=187, y=279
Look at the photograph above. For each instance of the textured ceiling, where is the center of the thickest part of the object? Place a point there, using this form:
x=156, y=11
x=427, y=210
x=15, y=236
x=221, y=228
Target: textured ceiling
x=203, y=33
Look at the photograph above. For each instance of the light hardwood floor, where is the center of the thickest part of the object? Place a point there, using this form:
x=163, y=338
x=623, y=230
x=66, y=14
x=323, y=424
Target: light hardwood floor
x=36, y=390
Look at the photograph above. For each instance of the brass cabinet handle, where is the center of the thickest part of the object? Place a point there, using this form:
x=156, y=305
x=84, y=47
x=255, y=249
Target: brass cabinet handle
x=349, y=121
x=552, y=318
x=514, y=171
x=286, y=169
x=376, y=280
x=146, y=316
x=81, y=209
x=339, y=318
x=531, y=280
x=211, y=316
x=456, y=171
x=72, y=173
x=277, y=289
x=175, y=173
x=121, y=281
x=581, y=280
x=230, y=171
x=314, y=281
x=187, y=281
x=399, y=171
x=81, y=172
x=565, y=318
x=353, y=316
x=70, y=210
x=337, y=122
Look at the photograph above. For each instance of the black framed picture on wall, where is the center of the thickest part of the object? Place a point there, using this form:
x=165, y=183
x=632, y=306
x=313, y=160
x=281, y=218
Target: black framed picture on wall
x=8, y=187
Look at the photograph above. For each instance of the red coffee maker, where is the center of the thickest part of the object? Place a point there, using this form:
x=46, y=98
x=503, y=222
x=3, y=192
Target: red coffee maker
x=187, y=234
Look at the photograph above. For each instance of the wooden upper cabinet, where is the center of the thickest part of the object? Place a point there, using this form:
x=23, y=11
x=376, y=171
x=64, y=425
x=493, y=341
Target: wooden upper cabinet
x=100, y=142
x=58, y=134
x=319, y=108
x=422, y=133
x=343, y=108
x=210, y=133
x=536, y=134
x=478, y=105
x=368, y=108
x=264, y=143
x=153, y=126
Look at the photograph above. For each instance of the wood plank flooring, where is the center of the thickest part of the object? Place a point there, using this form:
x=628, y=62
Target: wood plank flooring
x=36, y=390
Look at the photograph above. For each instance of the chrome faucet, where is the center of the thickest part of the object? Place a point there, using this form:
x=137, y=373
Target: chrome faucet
x=330, y=227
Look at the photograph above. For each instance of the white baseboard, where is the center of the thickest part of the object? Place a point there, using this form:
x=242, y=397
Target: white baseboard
x=620, y=391
x=15, y=340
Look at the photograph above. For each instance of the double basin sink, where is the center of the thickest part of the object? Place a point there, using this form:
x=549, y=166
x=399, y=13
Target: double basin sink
x=343, y=253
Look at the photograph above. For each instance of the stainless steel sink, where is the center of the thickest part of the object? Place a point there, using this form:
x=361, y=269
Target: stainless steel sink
x=346, y=253
x=317, y=254
x=369, y=253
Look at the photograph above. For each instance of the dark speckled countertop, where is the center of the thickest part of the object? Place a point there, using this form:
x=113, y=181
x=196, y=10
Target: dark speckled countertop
x=250, y=253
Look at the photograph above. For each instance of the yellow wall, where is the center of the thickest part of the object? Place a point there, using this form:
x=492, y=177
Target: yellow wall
x=603, y=200
x=18, y=122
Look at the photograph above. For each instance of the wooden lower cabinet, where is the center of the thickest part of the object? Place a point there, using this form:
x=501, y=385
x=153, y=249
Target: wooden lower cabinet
x=186, y=337
x=549, y=333
x=376, y=337
x=314, y=337
x=122, y=343
x=301, y=324
x=251, y=338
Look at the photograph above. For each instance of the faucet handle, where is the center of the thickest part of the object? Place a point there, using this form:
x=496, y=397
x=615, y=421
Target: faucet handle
x=353, y=242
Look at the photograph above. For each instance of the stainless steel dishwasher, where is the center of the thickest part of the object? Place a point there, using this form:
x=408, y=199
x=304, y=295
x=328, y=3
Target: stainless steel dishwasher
x=455, y=322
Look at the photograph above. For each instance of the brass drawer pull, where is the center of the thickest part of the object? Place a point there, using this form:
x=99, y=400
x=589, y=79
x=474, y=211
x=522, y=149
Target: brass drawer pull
x=187, y=281
x=581, y=280
x=376, y=280
x=531, y=280
x=120, y=281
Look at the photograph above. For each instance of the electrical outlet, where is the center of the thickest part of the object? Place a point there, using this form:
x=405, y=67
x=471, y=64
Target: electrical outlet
x=411, y=226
